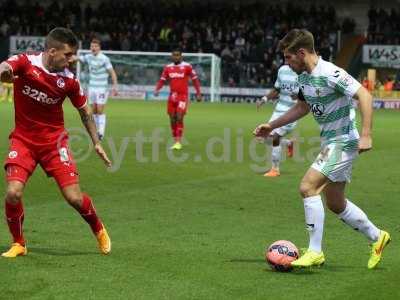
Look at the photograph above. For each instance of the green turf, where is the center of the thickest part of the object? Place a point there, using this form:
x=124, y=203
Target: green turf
x=198, y=230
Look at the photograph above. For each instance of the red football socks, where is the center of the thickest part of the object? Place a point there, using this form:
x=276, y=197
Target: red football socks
x=88, y=213
x=15, y=218
x=179, y=130
x=173, y=130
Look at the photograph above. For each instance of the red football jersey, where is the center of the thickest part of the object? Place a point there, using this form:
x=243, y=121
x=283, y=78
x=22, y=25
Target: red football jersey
x=179, y=75
x=38, y=98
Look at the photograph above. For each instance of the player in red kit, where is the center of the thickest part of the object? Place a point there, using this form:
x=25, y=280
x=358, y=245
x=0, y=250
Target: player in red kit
x=41, y=83
x=178, y=74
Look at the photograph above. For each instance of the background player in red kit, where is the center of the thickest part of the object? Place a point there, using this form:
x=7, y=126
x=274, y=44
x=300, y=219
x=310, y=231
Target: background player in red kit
x=178, y=74
x=41, y=83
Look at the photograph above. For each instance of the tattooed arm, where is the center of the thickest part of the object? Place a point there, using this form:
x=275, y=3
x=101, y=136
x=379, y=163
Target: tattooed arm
x=88, y=121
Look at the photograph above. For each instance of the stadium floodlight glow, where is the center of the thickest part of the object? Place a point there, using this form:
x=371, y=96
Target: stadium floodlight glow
x=140, y=71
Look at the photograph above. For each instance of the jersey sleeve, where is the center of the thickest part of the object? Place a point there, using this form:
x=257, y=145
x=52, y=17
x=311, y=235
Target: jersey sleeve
x=107, y=63
x=195, y=79
x=76, y=94
x=192, y=72
x=164, y=74
x=343, y=82
x=18, y=63
x=277, y=84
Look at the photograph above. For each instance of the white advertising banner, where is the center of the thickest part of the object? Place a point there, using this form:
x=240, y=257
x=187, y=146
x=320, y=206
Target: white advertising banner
x=20, y=44
x=382, y=55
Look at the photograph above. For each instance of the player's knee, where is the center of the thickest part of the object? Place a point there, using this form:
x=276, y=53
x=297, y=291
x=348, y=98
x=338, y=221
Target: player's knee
x=13, y=195
x=306, y=189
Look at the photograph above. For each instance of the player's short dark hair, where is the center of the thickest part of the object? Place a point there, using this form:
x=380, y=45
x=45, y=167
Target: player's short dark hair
x=176, y=50
x=59, y=36
x=95, y=40
x=296, y=39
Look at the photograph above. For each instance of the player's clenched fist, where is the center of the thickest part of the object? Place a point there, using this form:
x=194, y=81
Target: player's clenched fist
x=262, y=130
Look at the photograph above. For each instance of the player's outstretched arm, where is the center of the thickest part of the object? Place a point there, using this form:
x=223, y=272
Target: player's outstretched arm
x=196, y=84
x=6, y=73
x=273, y=94
x=296, y=112
x=114, y=81
x=88, y=120
x=161, y=81
x=159, y=86
x=365, y=100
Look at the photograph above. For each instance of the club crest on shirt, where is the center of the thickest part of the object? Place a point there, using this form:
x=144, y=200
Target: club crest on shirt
x=36, y=73
x=60, y=83
x=13, y=154
x=317, y=109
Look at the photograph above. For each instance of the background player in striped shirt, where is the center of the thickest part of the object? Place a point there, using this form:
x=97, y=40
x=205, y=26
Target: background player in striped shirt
x=327, y=91
x=100, y=68
x=178, y=74
x=286, y=88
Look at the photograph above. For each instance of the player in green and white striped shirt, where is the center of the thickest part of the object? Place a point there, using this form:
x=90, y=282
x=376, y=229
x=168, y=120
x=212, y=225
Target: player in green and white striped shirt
x=286, y=88
x=99, y=69
x=327, y=91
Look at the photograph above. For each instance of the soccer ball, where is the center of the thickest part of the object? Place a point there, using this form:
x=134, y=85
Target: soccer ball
x=280, y=254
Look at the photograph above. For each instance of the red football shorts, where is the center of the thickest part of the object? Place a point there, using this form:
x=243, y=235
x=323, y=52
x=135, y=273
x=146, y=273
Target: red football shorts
x=55, y=159
x=177, y=104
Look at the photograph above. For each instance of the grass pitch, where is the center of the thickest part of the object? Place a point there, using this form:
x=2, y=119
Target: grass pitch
x=195, y=224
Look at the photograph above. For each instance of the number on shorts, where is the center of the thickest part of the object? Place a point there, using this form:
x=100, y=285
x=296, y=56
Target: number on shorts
x=323, y=156
x=182, y=104
x=63, y=154
x=101, y=96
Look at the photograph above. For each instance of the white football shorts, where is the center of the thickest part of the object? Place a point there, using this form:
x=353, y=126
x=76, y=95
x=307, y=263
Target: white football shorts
x=335, y=163
x=98, y=95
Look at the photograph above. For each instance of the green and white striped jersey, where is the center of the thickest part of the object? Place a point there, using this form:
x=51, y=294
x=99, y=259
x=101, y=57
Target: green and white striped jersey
x=329, y=90
x=288, y=86
x=99, y=65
